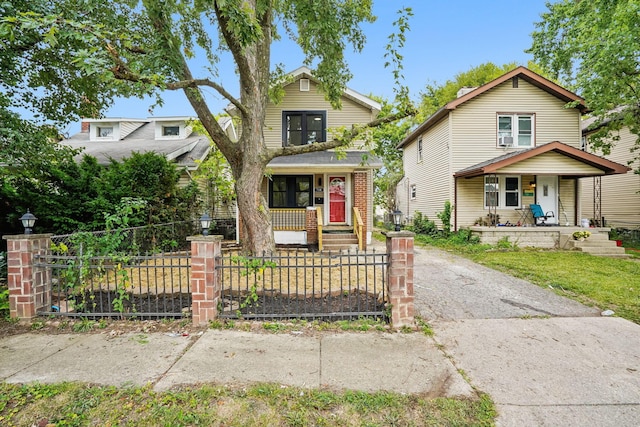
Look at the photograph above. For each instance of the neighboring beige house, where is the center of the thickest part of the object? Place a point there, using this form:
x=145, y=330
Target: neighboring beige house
x=321, y=188
x=614, y=199
x=498, y=148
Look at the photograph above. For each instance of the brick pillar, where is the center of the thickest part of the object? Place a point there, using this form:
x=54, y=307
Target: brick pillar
x=312, y=225
x=360, y=198
x=29, y=290
x=400, y=278
x=205, y=284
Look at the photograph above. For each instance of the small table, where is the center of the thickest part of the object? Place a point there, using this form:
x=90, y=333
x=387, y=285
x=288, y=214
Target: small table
x=525, y=214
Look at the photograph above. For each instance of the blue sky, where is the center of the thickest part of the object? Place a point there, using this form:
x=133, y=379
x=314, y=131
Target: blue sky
x=446, y=38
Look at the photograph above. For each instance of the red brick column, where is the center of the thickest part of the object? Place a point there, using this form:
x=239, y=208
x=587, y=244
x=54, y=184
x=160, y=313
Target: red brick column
x=360, y=199
x=312, y=225
x=400, y=278
x=205, y=284
x=29, y=290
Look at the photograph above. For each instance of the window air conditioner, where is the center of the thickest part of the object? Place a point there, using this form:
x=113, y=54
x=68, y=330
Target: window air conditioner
x=505, y=141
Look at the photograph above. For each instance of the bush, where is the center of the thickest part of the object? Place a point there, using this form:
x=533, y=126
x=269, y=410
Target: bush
x=422, y=225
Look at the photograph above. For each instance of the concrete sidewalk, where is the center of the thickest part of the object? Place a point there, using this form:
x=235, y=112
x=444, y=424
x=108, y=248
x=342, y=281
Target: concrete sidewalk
x=551, y=372
x=372, y=361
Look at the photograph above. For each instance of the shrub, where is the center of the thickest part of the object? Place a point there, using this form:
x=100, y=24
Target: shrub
x=422, y=225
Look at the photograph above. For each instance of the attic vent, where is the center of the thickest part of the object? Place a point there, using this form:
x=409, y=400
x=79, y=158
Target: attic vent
x=514, y=82
x=304, y=85
x=464, y=90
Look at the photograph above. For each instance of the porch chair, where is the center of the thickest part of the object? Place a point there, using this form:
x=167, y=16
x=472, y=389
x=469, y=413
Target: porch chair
x=538, y=214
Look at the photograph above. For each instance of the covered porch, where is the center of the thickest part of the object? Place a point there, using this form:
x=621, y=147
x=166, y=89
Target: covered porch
x=495, y=198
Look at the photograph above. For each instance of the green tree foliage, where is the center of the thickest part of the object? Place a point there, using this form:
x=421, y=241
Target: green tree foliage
x=123, y=47
x=593, y=48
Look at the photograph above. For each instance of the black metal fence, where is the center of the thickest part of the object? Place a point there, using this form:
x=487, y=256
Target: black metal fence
x=142, y=286
x=303, y=285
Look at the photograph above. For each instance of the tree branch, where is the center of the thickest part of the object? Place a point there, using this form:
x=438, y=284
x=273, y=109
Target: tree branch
x=341, y=141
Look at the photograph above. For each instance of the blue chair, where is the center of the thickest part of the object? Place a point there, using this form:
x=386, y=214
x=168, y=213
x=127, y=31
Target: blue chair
x=538, y=214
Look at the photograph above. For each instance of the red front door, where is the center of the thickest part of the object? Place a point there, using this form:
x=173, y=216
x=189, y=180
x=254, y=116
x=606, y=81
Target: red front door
x=337, y=199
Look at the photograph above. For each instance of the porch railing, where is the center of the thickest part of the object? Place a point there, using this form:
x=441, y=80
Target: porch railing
x=320, y=225
x=358, y=227
x=289, y=219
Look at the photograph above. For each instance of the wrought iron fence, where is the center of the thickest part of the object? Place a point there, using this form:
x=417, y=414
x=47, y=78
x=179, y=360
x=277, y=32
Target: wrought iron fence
x=303, y=285
x=142, y=286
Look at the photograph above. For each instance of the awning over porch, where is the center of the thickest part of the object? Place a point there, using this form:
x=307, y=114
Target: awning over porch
x=553, y=158
x=328, y=159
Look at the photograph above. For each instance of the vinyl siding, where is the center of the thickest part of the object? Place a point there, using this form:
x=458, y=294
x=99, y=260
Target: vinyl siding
x=550, y=164
x=126, y=128
x=620, y=199
x=296, y=100
x=432, y=176
x=474, y=123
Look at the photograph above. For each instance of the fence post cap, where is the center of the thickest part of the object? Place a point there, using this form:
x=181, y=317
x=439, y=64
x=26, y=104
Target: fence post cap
x=26, y=236
x=392, y=234
x=201, y=238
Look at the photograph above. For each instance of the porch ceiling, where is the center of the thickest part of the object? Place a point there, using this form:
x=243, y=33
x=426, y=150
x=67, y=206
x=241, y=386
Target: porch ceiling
x=550, y=157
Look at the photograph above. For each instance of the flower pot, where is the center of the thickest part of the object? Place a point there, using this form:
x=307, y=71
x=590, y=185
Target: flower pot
x=618, y=242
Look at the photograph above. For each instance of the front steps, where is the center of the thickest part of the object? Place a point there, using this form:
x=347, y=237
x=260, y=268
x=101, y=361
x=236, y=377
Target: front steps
x=597, y=244
x=336, y=240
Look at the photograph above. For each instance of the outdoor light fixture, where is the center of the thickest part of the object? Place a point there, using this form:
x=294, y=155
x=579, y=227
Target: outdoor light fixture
x=205, y=223
x=28, y=221
x=397, y=219
x=532, y=184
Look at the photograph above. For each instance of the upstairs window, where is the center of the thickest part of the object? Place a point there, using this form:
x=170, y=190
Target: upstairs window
x=105, y=132
x=171, y=130
x=420, y=150
x=413, y=192
x=303, y=127
x=515, y=130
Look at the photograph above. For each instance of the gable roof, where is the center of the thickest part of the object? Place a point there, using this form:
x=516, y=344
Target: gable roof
x=185, y=152
x=494, y=165
x=520, y=72
x=306, y=73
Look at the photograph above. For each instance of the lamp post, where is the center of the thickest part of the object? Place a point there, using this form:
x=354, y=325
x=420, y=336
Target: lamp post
x=28, y=221
x=205, y=223
x=397, y=219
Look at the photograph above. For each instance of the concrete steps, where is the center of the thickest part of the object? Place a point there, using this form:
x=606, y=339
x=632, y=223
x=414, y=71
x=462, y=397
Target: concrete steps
x=597, y=244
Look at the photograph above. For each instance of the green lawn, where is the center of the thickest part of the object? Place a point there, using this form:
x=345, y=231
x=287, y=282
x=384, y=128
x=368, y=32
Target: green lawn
x=70, y=404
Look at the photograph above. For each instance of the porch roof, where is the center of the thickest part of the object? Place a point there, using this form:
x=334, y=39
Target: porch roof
x=328, y=160
x=602, y=165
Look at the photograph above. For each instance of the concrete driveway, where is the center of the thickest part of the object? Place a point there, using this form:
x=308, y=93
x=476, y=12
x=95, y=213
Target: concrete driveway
x=544, y=359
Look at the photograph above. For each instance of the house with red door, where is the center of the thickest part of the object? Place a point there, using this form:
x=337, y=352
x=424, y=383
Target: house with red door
x=322, y=199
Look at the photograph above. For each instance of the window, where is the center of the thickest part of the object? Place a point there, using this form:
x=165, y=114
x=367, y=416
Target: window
x=303, y=127
x=289, y=191
x=170, y=130
x=502, y=191
x=105, y=132
x=419, y=149
x=413, y=191
x=517, y=126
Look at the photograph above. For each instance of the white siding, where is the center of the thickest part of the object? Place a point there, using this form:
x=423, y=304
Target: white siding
x=550, y=164
x=432, y=176
x=620, y=198
x=474, y=123
x=296, y=100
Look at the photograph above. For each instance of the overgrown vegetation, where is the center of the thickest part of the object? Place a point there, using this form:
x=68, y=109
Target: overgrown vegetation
x=69, y=404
